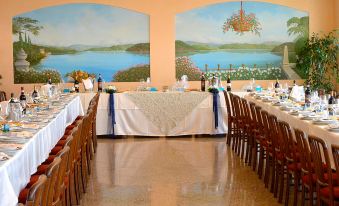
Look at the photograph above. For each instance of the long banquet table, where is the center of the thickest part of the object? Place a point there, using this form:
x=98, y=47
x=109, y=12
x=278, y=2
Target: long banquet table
x=295, y=122
x=131, y=119
x=15, y=172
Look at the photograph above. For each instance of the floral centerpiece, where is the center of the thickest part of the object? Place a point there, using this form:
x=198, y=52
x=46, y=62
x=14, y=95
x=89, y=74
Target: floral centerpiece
x=111, y=89
x=241, y=22
x=79, y=75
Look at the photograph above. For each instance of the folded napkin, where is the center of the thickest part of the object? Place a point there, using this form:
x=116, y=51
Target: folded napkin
x=297, y=92
x=88, y=84
x=3, y=156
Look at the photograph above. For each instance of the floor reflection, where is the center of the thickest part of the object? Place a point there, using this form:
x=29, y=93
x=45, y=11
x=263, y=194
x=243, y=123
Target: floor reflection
x=184, y=172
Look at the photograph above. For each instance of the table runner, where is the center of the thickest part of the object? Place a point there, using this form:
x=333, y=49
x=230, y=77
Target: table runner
x=15, y=173
x=166, y=110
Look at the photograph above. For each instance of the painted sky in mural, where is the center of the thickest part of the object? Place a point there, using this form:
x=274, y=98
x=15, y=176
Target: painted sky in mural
x=90, y=37
x=200, y=38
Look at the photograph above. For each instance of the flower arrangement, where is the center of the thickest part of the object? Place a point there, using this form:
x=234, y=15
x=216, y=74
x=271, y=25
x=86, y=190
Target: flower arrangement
x=213, y=90
x=185, y=66
x=111, y=89
x=242, y=22
x=79, y=75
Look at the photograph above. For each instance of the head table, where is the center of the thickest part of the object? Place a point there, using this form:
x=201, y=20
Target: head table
x=35, y=146
x=160, y=113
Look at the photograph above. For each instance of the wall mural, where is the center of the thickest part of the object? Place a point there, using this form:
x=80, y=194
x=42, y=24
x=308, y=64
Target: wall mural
x=93, y=38
x=246, y=39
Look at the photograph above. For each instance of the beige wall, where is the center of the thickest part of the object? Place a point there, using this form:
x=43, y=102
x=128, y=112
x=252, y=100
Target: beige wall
x=162, y=30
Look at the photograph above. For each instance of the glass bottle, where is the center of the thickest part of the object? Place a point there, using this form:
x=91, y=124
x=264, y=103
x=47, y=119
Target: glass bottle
x=308, y=95
x=23, y=100
x=277, y=86
x=76, y=86
x=35, y=93
x=49, y=81
x=331, y=102
x=100, y=83
x=229, y=84
x=203, y=82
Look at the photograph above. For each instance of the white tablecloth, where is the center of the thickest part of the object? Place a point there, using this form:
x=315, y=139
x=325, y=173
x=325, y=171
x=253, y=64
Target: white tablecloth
x=295, y=122
x=130, y=120
x=16, y=172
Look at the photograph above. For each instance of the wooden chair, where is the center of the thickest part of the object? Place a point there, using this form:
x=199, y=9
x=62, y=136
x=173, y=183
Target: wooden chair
x=258, y=131
x=51, y=172
x=255, y=131
x=264, y=144
x=291, y=155
x=247, y=139
x=230, y=119
x=33, y=196
x=271, y=159
x=306, y=167
x=325, y=179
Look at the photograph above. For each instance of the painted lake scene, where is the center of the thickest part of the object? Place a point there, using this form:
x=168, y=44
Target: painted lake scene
x=56, y=41
x=244, y=39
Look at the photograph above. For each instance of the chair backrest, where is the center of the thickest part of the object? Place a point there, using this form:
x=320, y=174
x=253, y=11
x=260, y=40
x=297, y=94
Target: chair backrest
x=237, y=107
x=35, y=193
x=304, y=154
x=59, y=184
x=265, y=124
x=320, y=158
x=274, y=132
x=253, y=112
x=335, y=153
x=52, y=176
x=232, y=103
x=259, y=117
x=228, y=104
x=246, y=110
x=287, y=143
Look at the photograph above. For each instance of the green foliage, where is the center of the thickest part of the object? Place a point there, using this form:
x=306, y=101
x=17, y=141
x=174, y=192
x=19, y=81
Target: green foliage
x=25, y=24
x=247, y=46
x=318, y=60
x=181, y=46
x=121, y=47
x=34, y=55
x=133, y=74
x=139, y=48
x=298, y=26
x=247, y=74
x=185, y=66
x=280, y=48
x=35, y=76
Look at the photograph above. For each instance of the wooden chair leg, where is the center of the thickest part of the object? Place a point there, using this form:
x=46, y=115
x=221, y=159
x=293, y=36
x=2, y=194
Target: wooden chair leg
x=261, y=162
x=267, y=170
x=296, y=187
x=273, y=183
x=287, y=194
x=282, y=179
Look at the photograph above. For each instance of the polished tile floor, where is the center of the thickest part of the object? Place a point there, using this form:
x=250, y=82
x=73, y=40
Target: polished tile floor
x=172, y=172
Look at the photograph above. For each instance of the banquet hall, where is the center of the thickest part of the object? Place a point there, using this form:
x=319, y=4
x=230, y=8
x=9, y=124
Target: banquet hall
x=148, y=102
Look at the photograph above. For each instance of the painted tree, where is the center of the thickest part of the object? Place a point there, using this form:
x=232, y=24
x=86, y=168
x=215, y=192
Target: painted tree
x=298, y=26
x=25, y=24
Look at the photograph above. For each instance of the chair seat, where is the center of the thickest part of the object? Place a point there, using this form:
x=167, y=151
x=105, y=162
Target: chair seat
x=294, y=166
x=306, y=178
x=23, y=196
x=325, y=192
x=56, y=150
